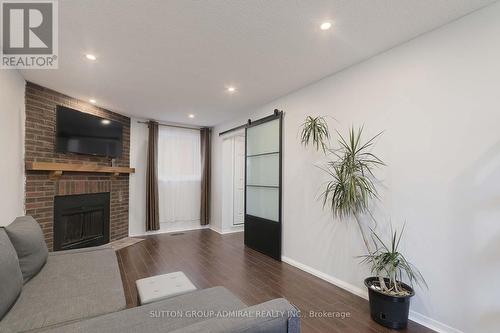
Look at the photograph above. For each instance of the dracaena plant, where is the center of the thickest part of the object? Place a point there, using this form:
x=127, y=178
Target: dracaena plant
x=352, y=183
x=390, y=265
x=315, y=132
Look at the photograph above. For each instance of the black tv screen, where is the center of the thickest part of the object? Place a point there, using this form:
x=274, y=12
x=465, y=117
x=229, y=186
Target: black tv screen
x=83, y=133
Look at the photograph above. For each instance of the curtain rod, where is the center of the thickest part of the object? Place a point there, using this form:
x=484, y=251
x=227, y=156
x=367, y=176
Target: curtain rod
x=176, y=126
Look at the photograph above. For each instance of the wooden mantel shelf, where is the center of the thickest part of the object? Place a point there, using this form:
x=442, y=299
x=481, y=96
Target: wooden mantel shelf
x=56, y=169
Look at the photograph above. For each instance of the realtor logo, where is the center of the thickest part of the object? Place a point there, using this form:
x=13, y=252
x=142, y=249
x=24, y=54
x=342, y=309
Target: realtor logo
x=29, y=34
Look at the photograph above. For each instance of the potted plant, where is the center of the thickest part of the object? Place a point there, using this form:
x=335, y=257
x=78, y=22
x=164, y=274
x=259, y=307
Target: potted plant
x=389, y=296
x=348, y=194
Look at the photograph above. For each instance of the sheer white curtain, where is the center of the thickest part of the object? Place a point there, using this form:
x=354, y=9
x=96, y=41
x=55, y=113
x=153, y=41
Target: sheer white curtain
x=179, y=175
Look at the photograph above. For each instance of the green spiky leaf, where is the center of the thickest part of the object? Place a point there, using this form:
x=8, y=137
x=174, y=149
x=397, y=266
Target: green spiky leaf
x=315, y=132
x=352, y=183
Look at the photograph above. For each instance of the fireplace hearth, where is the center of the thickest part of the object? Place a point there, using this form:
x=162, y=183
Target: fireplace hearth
x=81, y=220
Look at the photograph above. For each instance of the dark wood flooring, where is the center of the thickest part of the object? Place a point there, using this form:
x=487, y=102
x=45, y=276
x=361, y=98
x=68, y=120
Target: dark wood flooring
x=210, y=259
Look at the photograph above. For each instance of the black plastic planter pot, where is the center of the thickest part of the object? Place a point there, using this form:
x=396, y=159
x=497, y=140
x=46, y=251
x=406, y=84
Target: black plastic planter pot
x=388, y=311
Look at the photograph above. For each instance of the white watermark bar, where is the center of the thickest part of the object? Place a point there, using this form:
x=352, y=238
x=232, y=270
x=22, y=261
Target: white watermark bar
x=247, y=314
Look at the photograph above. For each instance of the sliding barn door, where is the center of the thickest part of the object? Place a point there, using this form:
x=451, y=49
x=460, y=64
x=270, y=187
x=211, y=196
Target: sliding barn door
x=263, y=185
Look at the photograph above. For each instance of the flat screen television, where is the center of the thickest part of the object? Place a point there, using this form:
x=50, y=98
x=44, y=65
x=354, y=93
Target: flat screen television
x=83, y=133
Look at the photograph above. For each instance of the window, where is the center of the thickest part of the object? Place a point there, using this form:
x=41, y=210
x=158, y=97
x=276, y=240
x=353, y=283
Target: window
x=179, y=174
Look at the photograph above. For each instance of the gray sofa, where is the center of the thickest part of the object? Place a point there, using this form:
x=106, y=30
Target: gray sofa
x=81, y=291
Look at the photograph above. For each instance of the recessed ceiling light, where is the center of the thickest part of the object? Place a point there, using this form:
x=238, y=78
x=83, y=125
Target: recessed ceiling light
x=91, y=57
x=93, y=101
x=325, y=25
x=105, y=122
x=191, y=116
x=231, y=89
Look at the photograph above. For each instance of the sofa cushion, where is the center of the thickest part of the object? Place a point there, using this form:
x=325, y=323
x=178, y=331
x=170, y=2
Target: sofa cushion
x=71, y=286
x=27, y=237
x=11, y=278
x=163, y=316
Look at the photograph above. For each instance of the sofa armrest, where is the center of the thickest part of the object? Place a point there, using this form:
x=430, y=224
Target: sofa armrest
x=86, y=249
x=275, y=316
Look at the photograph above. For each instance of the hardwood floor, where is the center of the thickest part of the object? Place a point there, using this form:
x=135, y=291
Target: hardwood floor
x=210, y=259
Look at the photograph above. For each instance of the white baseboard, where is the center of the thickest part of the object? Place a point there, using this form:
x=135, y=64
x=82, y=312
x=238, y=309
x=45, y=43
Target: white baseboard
x=328, y=278
x=415, y=316
x=148, y=233
x=432, y=323
x=225, y=232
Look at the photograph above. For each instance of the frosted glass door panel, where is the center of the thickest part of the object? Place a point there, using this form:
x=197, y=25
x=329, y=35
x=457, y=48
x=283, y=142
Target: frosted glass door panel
x=263, y=170
x=264, y=138
x=263, y=185
x=263, y=202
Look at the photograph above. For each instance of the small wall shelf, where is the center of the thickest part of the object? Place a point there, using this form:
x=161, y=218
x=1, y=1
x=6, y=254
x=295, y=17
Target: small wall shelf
x=56, y=169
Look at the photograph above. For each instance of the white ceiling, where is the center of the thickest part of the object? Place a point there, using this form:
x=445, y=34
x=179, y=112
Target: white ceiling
x=166, y=59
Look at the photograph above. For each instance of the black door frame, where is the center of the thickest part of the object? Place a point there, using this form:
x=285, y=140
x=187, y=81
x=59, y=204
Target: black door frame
x=261, y=234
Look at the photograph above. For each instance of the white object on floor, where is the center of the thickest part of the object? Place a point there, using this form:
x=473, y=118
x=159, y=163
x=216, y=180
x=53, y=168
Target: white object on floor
x=159, y=287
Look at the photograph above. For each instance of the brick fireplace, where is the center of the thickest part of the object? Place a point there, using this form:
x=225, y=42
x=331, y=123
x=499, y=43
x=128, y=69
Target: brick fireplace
x=41, y=189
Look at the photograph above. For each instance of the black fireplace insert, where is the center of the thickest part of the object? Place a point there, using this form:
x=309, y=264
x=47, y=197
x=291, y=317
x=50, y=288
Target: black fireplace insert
x=81, y=220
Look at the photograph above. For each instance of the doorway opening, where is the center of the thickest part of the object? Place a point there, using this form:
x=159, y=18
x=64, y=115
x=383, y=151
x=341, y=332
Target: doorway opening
x=233, y=204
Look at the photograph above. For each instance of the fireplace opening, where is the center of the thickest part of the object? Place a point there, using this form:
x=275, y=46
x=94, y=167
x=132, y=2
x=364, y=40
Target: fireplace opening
x=81, y=220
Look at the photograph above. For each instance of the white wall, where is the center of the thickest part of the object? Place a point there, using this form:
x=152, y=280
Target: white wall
x=437, y=98
x=137, y=186
x=12, y=115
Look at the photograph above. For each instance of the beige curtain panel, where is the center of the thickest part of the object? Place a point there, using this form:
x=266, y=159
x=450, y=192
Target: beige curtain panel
x=152, y=206
x=205, y=136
